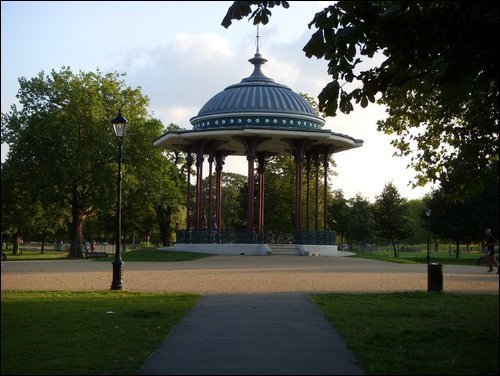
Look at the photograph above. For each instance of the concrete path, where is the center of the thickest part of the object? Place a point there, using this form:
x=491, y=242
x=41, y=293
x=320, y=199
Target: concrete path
x=271, y=334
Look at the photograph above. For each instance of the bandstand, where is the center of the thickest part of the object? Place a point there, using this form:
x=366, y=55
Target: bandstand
x=256, y=118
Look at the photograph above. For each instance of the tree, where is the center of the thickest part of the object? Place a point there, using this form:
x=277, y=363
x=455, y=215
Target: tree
x=16, y=205
x=233, y=214
x=389, y=216
x=279, y=194
x=338, y=211
x=433, y=64
x=360, y=223
x=464, y=221
x=62, y=142
x=154, y=185
x=416, y=233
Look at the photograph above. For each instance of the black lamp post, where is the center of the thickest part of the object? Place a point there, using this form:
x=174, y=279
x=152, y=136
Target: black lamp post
x=428, y=215
x=119, y=127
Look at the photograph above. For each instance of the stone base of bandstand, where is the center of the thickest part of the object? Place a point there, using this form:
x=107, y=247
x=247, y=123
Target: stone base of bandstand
x=321, y=250
x=238, y=249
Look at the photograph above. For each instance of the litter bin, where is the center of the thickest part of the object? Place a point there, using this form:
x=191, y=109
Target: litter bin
x=434, y=277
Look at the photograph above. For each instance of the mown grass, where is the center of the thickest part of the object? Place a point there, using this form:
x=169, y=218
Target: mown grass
x=34, y=254
x=156, y=255
x=421, y=258
x=85, y=333
x=114, y=332
x=418, y=333
x=148, y=254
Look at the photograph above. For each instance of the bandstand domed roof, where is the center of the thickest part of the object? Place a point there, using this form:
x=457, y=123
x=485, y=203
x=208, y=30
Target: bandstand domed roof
x=257, y=101
x=256, y=107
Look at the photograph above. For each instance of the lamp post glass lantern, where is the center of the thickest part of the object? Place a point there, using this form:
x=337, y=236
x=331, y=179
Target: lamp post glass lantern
x=428, y=215
x=119, y=127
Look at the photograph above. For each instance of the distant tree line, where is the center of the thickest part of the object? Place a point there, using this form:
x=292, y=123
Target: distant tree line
x=59, y=179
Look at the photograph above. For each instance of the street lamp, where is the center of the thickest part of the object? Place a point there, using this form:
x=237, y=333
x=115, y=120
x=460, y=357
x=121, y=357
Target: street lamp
x=428, y=215
x=119, y=127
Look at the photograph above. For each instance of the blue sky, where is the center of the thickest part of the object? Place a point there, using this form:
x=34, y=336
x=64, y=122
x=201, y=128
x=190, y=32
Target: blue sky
x=180, y=56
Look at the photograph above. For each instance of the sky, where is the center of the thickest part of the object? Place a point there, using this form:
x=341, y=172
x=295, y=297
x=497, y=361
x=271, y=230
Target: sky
x=180, y=56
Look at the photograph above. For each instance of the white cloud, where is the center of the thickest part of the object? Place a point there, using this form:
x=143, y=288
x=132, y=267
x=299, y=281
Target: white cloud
x=201, y=48
x=283, y=72
x=178, y=115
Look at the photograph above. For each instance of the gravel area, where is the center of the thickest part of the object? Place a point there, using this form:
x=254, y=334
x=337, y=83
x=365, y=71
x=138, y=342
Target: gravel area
x=244, y=275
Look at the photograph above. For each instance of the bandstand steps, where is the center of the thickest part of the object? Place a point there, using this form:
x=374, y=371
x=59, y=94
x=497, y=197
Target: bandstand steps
x=284, y=249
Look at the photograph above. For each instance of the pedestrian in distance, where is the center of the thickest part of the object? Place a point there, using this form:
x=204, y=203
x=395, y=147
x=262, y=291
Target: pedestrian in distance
x=489, y=243
x=213, y=227
x=92, y=246
x=86, y=246
x=213, y=222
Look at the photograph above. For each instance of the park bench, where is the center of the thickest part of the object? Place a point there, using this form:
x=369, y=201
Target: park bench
x=482, y=260
x=97, y=254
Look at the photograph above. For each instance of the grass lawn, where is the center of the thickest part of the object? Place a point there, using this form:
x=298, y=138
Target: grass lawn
x=421, y=258
x=418, y=333
x=156, y=255
x=34, y=254
x=148, y=254
x=115, y=332
x=85, y=333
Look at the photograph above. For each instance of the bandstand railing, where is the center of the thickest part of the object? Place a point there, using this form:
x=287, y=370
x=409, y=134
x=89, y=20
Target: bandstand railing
x=315, y=237
x=252, y=237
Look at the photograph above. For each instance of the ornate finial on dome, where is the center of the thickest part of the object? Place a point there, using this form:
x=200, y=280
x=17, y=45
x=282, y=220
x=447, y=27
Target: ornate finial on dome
x=257, y=42
x=257, y=61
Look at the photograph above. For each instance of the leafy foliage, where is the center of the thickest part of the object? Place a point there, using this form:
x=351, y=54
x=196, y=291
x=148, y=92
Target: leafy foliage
x=389, y=211
x=432, y=64
x=464, y=221
x=241, y=9
x=360, y=223
x=63, y=149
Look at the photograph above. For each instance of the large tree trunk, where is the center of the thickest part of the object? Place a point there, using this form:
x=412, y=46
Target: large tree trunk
x=76, y=235
x=394, y=247
x=164, y=215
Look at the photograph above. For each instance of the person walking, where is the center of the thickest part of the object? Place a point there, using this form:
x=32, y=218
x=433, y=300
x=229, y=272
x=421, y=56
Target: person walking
x=86, y=246
x=489, y=243
x=213, y=227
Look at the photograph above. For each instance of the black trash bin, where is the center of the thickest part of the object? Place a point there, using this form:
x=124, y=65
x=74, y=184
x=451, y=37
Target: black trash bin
x=434, y=277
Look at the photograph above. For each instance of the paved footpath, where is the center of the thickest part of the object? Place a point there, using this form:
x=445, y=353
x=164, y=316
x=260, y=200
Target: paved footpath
x=271, y=334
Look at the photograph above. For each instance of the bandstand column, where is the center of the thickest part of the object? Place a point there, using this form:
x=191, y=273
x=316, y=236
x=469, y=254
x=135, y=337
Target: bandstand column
x=298, y=191
x=250, y=144
x=209, y=209
x=316, y=188
x=261, y=170
x=308, y=193
x=199, y=176
x=219, y=163
x=250, y=192
x=299, y=148
x=326, y=154
x=189, y=164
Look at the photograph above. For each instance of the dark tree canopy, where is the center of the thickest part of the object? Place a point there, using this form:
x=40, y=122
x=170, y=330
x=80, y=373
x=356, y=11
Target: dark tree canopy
x=63, y=153
x=241, y=9
x=432, y=64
